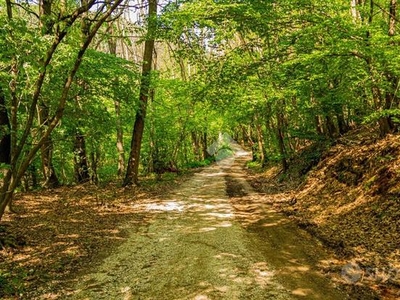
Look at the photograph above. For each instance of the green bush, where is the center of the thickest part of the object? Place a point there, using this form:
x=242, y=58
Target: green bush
x=199, y=164
x=12, y=284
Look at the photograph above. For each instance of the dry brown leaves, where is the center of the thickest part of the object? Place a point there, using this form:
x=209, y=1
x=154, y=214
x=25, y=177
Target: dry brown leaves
x=351, y=201
x=66, y=231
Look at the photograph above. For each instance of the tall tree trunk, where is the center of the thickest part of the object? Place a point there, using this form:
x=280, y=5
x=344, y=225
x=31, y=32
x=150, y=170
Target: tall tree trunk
x=377, y=95
x=204, y=145
x=342, y=124
x=46, y=22
x=112, y=48
x=331, y=130
x=245, y=136
x=8, y=134
x=5, y=136
x=281, y=141
x=120, y=139
x=354, y=10
x=112, y=45
x=80, y=159
x=132, y=171
x=319, y=128
x=94, y=162
x=46, y=151
x=196, y=145
x=386, y=123
x=260, y=141
x=392, y=17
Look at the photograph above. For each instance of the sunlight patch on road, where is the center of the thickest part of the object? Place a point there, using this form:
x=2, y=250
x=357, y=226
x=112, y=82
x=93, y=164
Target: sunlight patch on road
x=202, y=207
x=242, y=280
x=201, y=297
x=126, y=291
x=262, y=275
x=270, y=224
x=302, y=292
x=206, y=229
x=223, y=289
x=168, y=206
x=219, y=215
x=204, y=284
x=221, y=255
x=242, y=153
x=215, y=174
x=224, y=224
x=299, y=269
x=209, y=206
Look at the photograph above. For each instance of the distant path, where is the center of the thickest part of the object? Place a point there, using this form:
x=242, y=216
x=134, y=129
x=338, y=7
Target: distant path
x=203, y=244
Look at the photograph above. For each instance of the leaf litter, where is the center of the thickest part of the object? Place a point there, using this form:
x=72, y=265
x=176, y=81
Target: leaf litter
x=351, y=201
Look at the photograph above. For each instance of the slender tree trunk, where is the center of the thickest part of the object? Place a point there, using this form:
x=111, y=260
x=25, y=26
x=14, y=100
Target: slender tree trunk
x=5, y=136
x=94, y=162
x=204, y=145
x=245, y=137
x=112, y=47
x=330, y=127
x=383, y=100
x=9, y=135
x=387, y=125
x=49, y=173
x=196, y=145
x=354, y=10
x=260, y=141
x=132, y=171
x=80, y=159
x=120, y=140
x=152, y=156
x=45, y=16
x=318, y=125
x=30, y=178
x=342, y=123
x=281, y=141
x=392, y=17
x=384, y=126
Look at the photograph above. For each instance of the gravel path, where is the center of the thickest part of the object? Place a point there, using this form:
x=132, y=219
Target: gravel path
x=203, y=244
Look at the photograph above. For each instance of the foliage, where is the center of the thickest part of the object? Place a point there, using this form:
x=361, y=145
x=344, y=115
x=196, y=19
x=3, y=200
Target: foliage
x=12, y=284
x=276, y=76
x=199, y=164
x=38, y=67
x=283, y=64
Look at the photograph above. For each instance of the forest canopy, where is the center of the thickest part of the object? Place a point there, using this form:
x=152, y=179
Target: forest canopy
x=108, y=90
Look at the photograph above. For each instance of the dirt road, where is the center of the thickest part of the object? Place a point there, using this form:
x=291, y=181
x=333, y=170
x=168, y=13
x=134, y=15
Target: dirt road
x=211, y=239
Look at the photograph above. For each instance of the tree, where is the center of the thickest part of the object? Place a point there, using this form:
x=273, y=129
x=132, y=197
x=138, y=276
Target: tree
x=5, y=136
x=50, y=176
x=132, y=171
x=22, y=127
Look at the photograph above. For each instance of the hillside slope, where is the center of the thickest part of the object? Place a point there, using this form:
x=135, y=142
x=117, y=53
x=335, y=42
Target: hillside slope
x=351, y=201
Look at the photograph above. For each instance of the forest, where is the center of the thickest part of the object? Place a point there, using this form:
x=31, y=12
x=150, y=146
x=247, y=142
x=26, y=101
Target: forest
x=98, y=92
x=78, y=79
